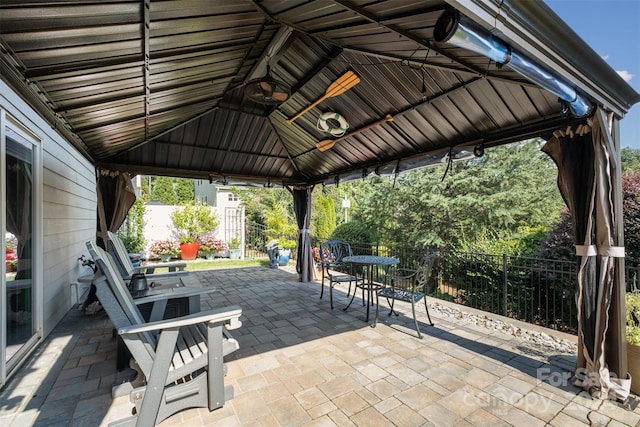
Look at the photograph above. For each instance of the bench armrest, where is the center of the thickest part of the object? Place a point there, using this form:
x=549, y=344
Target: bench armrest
x=229, y=315
x=171, y=266
x=160, y=275
x=181, y=292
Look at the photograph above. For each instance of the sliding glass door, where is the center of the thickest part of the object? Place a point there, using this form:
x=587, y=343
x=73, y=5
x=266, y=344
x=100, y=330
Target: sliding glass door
x=19, y=293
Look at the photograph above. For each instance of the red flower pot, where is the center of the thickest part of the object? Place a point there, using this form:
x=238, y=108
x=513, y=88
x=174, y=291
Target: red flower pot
x=189, y=251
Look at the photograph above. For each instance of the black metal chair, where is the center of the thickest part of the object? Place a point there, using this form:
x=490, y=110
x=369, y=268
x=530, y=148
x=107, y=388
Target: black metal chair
x=410, y=286
x=333, y=268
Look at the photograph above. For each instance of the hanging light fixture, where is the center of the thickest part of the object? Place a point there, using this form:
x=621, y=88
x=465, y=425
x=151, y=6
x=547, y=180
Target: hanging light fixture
x=478, y=150
x=462, y=32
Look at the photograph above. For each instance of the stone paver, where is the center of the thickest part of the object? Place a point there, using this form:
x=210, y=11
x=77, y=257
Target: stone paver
x=301, y=363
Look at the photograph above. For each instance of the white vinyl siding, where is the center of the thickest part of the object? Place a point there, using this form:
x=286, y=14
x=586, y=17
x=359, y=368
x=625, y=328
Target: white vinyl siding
x=68, y=209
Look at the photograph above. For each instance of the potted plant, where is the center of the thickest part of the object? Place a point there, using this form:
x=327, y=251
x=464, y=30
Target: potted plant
x=317, y=262
x=191, y=222
x=633, y=339
x=164, y=249
x=234, y=248
x=210, y=246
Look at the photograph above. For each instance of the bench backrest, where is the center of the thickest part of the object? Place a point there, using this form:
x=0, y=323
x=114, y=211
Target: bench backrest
x=118, y=250
x=117, y=290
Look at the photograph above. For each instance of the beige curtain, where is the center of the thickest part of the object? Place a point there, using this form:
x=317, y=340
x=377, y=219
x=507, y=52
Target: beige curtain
x=588, y=161
x=115, y=196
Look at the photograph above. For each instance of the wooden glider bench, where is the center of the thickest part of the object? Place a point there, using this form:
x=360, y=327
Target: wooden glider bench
x=179, y=361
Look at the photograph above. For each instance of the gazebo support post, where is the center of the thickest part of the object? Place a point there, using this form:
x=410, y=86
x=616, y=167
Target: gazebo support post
x=616, y=352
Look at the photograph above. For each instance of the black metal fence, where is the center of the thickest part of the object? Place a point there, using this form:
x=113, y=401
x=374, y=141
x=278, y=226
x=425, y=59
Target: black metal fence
x=538, y=291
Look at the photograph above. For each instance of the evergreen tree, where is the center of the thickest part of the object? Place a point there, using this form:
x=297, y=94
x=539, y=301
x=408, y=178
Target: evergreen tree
x=163, y=191
x=510, y=190
x=185, y=190
x=325, y=220
x=630, y=159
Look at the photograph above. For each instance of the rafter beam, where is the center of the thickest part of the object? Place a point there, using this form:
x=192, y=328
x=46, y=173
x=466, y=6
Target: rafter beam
x=146, y=81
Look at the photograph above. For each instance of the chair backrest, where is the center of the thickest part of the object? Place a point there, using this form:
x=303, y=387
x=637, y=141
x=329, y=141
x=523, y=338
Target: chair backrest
x=423, y=273
x=334, y=251
x=119, y=305
x=116, y=285
x=119, y=251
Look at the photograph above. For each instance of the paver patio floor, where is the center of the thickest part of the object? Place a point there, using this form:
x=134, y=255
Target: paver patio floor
x=301, y=363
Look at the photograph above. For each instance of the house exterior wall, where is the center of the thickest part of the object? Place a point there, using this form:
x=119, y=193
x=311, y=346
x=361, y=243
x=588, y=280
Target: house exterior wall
x=68, y=209
x=205, y=192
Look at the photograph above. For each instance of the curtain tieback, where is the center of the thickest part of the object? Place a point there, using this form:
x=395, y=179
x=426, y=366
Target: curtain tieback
x=593, y=250
x=304, y=231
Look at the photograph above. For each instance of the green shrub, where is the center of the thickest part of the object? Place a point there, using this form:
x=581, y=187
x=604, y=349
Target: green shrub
x=633, y=317
x=132, y=230
x=193, y=221
x=352, y=232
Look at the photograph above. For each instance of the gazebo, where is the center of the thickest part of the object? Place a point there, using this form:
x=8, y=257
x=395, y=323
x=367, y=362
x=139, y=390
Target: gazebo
x=221, y=91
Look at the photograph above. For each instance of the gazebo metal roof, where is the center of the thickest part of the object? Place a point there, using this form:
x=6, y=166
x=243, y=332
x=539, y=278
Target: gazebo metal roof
x=156, y=87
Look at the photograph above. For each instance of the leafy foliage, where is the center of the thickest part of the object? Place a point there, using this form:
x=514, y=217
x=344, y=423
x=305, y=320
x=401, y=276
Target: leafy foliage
x=163, y=247
x=132, y=230
x=185, y=191
x=510, y=190
x=234, y=243
x=193, y=221
x=272, y=207
x=353, y=232
x=630, y=160
x=210, y=244
x=631, y=212
x=560, y=242
x=258, y=202
x=163, y=191
x=279, y=226
x=325, y=220
x=633, y=317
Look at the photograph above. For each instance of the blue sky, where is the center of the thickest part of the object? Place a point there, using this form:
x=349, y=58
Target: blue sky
x=612, y=29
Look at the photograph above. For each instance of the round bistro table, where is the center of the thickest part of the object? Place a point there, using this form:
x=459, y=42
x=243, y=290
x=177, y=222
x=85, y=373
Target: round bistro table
x=367, y=284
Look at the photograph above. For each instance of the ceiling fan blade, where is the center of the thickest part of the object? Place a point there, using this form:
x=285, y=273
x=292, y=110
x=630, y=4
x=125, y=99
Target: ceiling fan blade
x=267, y=88
x=280, y=96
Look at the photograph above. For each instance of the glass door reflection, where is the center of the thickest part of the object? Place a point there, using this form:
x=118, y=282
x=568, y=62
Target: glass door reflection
x=20, y=325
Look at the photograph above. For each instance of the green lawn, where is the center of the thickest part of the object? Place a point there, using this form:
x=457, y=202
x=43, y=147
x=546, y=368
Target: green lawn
x=203, y=264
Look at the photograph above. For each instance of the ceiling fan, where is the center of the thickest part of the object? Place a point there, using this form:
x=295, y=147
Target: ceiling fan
x=267, y=90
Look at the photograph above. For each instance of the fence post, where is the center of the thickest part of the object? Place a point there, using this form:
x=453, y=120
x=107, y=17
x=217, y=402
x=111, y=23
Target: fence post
x=504, y=284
